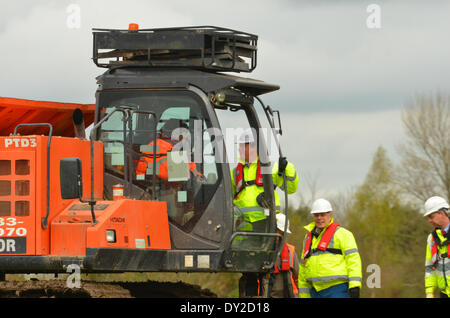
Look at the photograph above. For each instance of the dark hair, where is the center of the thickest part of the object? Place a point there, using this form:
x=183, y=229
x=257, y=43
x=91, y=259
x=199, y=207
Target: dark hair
x=445, y=210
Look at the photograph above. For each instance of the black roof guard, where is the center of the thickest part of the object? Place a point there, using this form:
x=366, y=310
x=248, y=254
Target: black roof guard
x=197, y=47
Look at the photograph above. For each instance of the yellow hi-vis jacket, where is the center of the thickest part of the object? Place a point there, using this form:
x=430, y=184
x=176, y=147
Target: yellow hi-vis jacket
x=437, y=264
x=246, y=202
x=323, y=269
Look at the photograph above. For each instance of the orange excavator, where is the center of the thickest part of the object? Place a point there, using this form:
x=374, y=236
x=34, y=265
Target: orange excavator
x=70, y=198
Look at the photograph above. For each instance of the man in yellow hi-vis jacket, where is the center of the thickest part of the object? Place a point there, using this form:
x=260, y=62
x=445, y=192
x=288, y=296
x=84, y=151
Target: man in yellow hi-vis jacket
x=248, y=192
x=330, y=265
x=437, y=259
x=248, y=188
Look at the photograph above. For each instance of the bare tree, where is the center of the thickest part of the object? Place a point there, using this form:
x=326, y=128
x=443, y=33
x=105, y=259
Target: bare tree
x=308, y=189
x=342, y=202
x=425, y=156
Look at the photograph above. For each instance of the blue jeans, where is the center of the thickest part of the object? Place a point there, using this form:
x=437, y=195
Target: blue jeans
x=336, y=291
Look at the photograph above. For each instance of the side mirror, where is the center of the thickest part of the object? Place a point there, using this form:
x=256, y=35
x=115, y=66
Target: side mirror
x=71, y=178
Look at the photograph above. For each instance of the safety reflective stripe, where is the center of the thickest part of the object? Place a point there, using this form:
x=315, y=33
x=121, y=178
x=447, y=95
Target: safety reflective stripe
x=317, y=252
x=355, y=279
x=250, y=209
x=441, y=265
x=283, y=186
x=256, y=208
x=304, y=290
x=292, y=178
x=443, y=274
x=326, y=278
x=429, y=271
x=351, y=251
x=429, y=263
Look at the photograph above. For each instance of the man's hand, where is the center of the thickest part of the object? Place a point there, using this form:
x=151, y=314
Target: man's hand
x=282, y=163
x=200, y=178
x=262, y=201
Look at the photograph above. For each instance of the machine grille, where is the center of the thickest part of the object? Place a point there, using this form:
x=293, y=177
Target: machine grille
x=15, y=187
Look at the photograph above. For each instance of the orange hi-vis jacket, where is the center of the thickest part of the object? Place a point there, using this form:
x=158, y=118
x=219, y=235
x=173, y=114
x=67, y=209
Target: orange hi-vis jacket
x=145, y=164
x=289, y=263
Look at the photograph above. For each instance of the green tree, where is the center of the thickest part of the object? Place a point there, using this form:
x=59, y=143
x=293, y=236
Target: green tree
x=389, y=233
x=298, y=218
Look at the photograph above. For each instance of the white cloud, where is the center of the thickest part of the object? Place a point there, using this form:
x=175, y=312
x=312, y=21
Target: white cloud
x=335, y=74
x=338, y=147
x=322, y=55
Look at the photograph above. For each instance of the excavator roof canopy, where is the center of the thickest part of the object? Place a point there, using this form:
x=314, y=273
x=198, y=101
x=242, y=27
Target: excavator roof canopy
x=208, y=48
x=141, y=78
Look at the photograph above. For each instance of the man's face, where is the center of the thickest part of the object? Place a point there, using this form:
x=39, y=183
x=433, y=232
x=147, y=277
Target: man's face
x=322, y=219
x=438, y=219
x=247, y=152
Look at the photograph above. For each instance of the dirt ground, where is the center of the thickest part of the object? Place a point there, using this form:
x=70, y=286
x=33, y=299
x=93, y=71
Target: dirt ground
x=59, y=289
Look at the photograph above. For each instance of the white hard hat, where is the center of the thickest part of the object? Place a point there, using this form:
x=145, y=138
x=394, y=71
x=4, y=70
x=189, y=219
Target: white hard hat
x=246, y=137
x=321, y=206
x=281, y=219
x=434, y=204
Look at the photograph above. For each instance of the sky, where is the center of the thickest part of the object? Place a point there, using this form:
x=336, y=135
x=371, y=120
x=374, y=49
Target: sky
x=345, y=69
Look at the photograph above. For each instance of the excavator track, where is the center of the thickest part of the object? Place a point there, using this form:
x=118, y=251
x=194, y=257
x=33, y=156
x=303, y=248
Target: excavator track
x=59, y=289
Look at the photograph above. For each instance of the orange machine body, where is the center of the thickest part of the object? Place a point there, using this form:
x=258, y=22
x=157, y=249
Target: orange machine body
x=69, y=231
x=132, y=223
x=23, y=187
x=14, y=111
x=23, y=204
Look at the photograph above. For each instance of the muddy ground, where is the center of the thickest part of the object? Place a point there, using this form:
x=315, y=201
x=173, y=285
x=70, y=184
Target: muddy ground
x=59, y=289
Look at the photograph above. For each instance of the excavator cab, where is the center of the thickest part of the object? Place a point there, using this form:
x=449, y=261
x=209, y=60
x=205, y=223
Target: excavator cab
x=151, y=189
x=158, y=110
